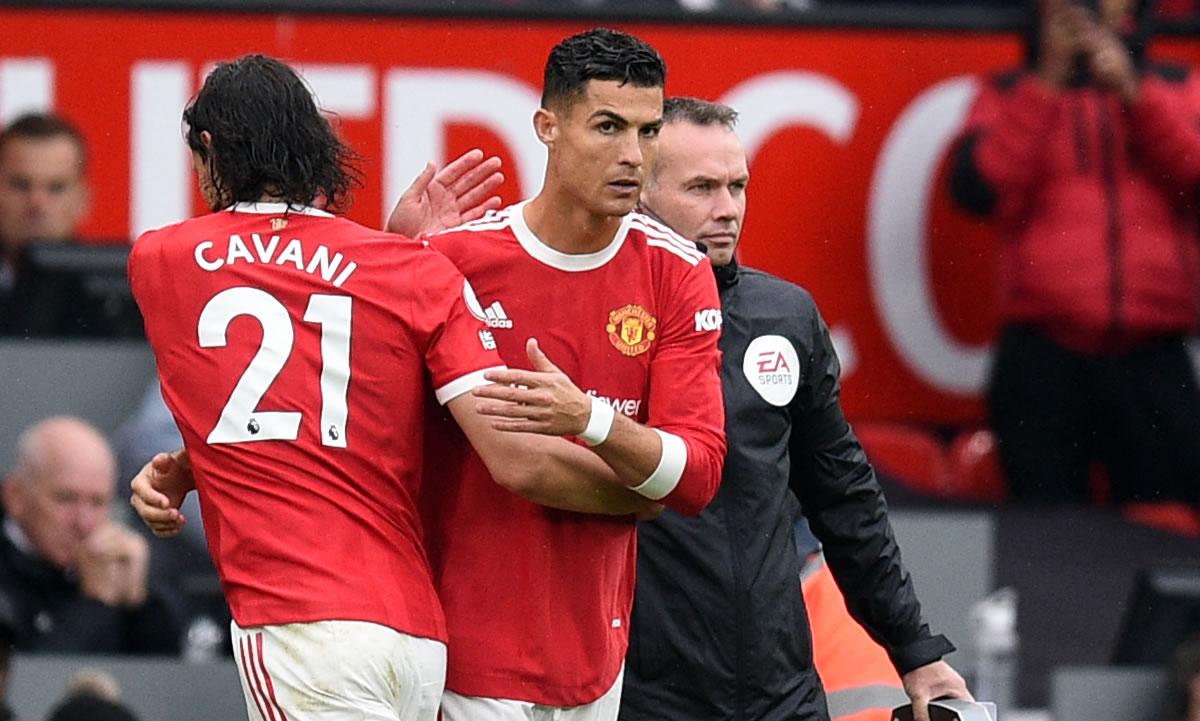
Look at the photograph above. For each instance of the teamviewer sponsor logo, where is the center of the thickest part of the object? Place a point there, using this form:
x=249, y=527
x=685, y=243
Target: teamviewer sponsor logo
x=708, y=319
x=625, y=406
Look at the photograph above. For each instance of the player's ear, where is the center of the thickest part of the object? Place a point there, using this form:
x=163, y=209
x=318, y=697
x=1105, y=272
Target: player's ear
x=545, y=124
x=13, y=492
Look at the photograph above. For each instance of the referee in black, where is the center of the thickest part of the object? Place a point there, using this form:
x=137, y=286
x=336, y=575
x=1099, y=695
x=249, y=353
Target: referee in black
x=719, y=630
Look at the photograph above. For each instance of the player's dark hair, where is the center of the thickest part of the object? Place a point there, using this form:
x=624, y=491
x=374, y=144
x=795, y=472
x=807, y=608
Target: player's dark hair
x=44, y=126
x=698, y=112
x=268, y=137
x=600, y=54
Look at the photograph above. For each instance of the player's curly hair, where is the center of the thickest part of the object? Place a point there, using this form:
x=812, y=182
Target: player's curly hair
x=268, y=137
x=600, y=54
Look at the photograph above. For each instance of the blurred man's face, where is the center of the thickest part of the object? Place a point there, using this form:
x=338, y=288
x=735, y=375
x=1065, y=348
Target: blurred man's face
x=61, y=508
x=42, y=191
x=603, y=144
x=699, y=186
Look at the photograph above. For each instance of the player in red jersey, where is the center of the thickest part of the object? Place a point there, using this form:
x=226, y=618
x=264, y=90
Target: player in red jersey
x=294, y=349
x=537, y=600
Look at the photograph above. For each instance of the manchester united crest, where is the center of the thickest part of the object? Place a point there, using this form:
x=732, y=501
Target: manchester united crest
x=631, y=329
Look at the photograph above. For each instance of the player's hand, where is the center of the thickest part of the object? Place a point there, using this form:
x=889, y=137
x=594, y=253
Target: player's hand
x=543, y=400
x=933, y=681
x=459, y=193
x=113, y=564
x=158, y=492
x=1110, y=61
x=1063, y=22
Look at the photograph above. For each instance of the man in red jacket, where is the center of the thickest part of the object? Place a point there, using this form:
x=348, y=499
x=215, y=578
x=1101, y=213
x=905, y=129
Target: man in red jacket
x=1088, y=161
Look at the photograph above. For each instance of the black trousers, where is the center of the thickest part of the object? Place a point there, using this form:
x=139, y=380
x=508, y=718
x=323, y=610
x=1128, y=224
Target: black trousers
x=1054, y=411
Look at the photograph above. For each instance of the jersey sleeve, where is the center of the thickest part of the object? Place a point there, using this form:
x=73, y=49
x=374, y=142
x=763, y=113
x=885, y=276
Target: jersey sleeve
x=685, y=388
x=457, y=346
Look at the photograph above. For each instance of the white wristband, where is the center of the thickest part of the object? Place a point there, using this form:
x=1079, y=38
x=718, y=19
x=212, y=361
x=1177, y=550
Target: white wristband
x=600, y=422
x=670, y=468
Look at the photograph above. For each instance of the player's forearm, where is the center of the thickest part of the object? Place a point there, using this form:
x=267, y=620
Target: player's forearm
x=590, y=488
x=681, y=473
x=563, y=475
x=632, y=450
x=549, y=471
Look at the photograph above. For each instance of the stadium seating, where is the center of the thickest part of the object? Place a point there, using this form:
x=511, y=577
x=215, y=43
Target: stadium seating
x=967, y=470
x=1179, y=518
x=974, y=467
x=909, y=454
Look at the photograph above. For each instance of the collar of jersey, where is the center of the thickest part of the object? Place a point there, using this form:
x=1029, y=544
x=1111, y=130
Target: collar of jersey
x=278, y=209
x=569, y=262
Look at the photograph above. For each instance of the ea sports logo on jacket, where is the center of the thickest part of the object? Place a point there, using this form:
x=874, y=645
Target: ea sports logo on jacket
x=772, y=368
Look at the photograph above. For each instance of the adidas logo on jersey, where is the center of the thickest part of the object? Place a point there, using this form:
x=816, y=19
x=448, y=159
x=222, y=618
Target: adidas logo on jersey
x=493, y=315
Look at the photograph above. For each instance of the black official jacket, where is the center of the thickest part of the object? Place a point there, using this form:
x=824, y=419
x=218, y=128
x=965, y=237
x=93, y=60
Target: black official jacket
x=719, y=630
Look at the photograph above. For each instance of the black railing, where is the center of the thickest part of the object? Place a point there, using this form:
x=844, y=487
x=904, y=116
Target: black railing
x=993, y=16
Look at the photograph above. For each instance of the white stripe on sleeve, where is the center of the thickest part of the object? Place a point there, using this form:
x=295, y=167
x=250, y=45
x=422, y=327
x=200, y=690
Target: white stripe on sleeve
x=464, y=384
x=670, y=468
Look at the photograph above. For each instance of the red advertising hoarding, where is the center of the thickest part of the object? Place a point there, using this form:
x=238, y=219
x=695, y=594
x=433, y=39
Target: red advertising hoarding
x=847, y=131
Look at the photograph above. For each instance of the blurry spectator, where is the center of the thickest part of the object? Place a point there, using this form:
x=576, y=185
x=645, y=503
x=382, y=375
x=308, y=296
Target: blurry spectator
x=43, y=191
x=85, y=707
x=76, y=580
x=43, y=199
x=1183, y=683
x=91, y=695
x=7, y=635
x=93, y=682
x=185, y=566
x=1088, y=161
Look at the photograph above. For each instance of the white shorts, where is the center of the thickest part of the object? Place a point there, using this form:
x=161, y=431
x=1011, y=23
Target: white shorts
x=338, y=671
x=475, y=708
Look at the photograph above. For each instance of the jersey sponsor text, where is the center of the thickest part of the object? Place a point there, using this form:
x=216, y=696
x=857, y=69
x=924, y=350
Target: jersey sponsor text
x=708, y=319
x=625, y=406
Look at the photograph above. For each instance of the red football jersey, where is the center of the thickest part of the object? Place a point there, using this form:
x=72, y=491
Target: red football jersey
x=295, y=350
x=537, y=600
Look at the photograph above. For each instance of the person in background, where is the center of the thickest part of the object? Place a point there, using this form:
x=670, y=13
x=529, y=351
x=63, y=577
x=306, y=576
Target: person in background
x=8, y=633
x=1183, y=683
x=75, y=579
x=91, y=695
x=43, y=199
x=1087, y=161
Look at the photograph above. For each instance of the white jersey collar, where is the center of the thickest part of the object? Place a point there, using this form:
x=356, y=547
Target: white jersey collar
x=278, y=209
x=570, y=262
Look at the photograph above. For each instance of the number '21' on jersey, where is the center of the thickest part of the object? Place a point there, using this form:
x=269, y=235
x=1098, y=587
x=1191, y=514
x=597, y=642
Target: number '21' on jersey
x=295, y=350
